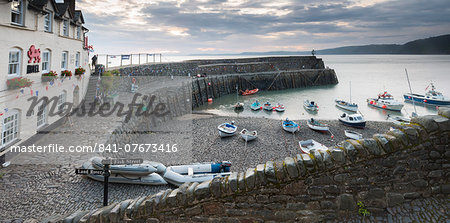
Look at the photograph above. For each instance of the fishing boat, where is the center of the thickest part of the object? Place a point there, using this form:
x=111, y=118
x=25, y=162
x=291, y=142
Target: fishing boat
x=317, y=126
x=290, y=126
x=310, y=105
x=238, y=105
x=267, y=106
x=353, y=134
x=280, y=108
x=385, y=101
x=307, y=146
x=227, y=129
x=248, y=135
x=431, y=97
x=249, y=92
x=398, y=120
x=353, y=120
x=256, y=106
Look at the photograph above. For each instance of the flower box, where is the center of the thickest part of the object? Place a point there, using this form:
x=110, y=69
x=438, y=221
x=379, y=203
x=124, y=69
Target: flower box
x=79, y=71
x=66, y=73
x=50, y=76
x=18, y=82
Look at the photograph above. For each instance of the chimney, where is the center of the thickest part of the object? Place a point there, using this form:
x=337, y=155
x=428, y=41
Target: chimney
x=72, y=6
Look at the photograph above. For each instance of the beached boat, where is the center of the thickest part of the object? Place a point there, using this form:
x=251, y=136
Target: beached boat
x=149, y=179
x=267, y=106
x=248, y=135
x=353, y=120
x=142, y=169
x=310, y=105
x=317, y=126
x=431, y=97
x=398, y=119
x=280, y=108
x=353, y=134
x=227, y=129
x=238, y=105
x=249, y=92
x=289, y=126
x=178, y=179
x=385, y=101
x=346, y=105
x=256, y=106
x=307, y=146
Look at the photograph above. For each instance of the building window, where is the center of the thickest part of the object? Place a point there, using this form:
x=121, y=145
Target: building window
x=64, y=60
x=10, y=128
x=48, y=22
x=61, y=101
x=14, y=62
x=78, y=32
x=17, y=12
x=66, y=27
x=42, y=115
x=77, y=60
x=46, y=57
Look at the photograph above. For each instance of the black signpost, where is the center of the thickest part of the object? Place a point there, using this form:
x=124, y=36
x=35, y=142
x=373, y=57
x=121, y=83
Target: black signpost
x=105, y=172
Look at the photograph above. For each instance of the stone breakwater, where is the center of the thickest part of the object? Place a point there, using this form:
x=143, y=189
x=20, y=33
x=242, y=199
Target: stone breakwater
x=383, y=172
x=222, y=76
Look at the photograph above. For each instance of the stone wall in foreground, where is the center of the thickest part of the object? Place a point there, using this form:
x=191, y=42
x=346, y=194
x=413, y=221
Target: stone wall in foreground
x=386, y=170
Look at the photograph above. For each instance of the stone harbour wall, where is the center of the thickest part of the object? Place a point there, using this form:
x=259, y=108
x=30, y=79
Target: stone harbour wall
x=404, y=164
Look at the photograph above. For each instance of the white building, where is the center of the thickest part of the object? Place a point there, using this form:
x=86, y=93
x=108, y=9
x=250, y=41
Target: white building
x=54, y=28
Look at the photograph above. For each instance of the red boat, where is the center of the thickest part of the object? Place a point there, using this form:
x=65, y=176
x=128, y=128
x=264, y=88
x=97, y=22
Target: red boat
x=249, y=92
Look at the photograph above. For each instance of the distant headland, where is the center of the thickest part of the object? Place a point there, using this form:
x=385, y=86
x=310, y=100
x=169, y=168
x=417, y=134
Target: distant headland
x=431, y=45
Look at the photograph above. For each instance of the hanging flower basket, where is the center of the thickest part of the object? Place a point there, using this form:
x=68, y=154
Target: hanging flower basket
x=18, y=82
x=79, y=71
x=66, y=73
x=50, y=76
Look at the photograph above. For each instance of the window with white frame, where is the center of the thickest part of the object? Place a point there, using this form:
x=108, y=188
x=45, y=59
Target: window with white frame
x=61, y=100
x=42, y=115
x=10, y=127
x=78, y=32
x=77, y=59
x=17, y=12
x=15, y=56
x=46, y=58
x=48, y=21
x=64, y=57
x=66, y=27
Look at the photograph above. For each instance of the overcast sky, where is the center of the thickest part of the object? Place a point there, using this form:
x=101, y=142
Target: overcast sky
x=232, y=26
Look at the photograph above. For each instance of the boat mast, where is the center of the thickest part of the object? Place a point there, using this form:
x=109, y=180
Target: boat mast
x=350, y=92
x=410, y=91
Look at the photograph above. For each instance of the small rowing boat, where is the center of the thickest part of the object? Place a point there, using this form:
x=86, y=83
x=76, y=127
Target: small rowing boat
x=353, y=134
x=249, y=92
x=346, y=105
x=248, y=135
x=290, y=126
x=310, y=106
x=317, y=126
x=279, y=108
x=227, y=129
x=256, y=106
x=267, y=106
x=398, y=120
x=307, y=146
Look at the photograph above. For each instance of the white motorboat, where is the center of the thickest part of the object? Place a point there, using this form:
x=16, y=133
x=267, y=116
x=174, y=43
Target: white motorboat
x=353, y=134
x=307, y=146
x=248, y=135
x=385, y=101
x=227, y=129
x=317, y=126
x=353, y=120
x=289, y=126
x=310, y=105
x=399, y=120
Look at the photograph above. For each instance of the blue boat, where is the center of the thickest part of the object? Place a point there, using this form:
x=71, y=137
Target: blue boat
x=290, y=126
x=432, y=97
x=256, y=106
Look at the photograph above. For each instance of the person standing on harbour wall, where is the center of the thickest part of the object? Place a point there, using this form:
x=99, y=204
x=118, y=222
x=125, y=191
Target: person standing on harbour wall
x=94, y=61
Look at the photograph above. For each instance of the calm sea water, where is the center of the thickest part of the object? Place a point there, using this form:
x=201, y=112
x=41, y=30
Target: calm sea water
x=368, y=74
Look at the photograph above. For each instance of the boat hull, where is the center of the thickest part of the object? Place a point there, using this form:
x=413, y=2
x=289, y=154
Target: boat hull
x=422, y=99
x=353, y=135
x=360, y=125
x=343, y=105
x=318, y=128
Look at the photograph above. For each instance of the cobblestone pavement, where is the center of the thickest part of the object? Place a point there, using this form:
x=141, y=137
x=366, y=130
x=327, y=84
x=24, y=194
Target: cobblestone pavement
x=433, y=209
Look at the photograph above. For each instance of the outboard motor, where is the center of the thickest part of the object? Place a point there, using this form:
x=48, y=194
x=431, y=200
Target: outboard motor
x=225, y=166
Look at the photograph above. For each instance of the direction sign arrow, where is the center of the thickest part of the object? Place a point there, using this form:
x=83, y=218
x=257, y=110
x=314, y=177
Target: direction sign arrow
x=122, y=161
x=88, y=172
